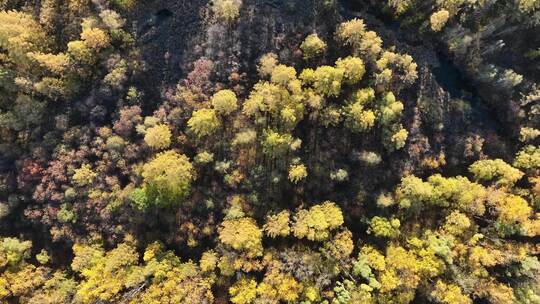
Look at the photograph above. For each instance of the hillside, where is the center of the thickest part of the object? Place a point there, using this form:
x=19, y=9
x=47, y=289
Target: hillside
x=270, y=151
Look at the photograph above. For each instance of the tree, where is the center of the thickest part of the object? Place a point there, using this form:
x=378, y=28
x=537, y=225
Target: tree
x=312, y=47
x=244, y=291
x=353, y=69
x=339, y=175
x=226, y=10
x=341, y=245
x=364, y=96
x=95, y=39
x=267, y=64
x=204, y=157
x=438, y=20
x=349, y=292
x=162, y=277
x=20, y=282
x=66, y=214
x=105, y=275
x=19, y=35
x=413, y=192
x=528, y=134
x=457, y=223
x=125, y=4
x=316, y=223
x=277, y=104
x=449, y=294
x=278, y=224
x=495, y=170
x=84, y=176
x=244, y=138
x=131, y=120
x=353, y=33
x=370, y=158
x=158, y=137
x=57, y=64
x=400, y=7
x=175, y=282
x=81, y=53
x=242, y=234
x=224, y=102
x=358, y=119
x=403, y=262
x=276, y=144
x=297, y=173
x=369, y=259
x=396, y=69
x=115, y=143
x=58, y=289
x=208, y=261
x=43, y=257
x=283, y=74
x=112, y=19
x=528, y=159
x=278, y=286
x=497, y=293
x=512, y=209
x=391, y=109
x=385, y=200
x=371, y=45
x=204, y=122
x=326, y=80
x=528, y=6
x=397, y=139
x=13, y=251
x=382, y=227
x=167, y=179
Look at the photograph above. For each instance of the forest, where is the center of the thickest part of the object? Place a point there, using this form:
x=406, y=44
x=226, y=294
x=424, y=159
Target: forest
x=270, y=151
